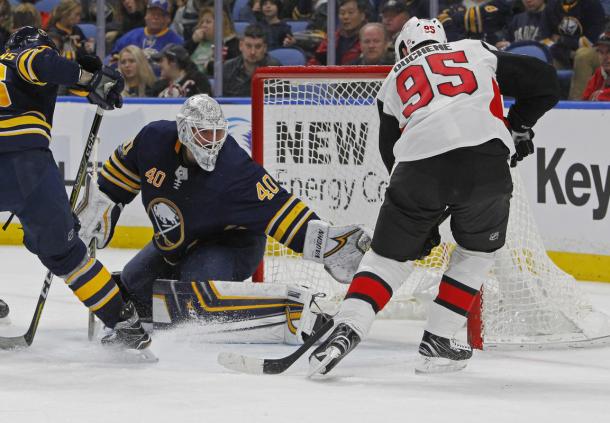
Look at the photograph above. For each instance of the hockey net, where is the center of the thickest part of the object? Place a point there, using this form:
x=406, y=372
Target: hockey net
x=314, y=130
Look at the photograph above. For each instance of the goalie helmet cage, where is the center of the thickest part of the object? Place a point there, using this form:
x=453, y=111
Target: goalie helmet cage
x=314, y=129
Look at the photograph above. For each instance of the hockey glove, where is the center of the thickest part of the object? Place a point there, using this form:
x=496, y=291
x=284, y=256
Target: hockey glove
x=98, y=215
x=523, y=136
x=89, y=63
x=339, y=248
x=105, y=89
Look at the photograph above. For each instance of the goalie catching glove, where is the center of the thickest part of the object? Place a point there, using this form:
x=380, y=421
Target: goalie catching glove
x=339, y=248
x=98, y=215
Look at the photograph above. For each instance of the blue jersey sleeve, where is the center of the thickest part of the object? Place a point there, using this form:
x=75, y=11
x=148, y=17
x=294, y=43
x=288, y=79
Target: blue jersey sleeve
x=259, y=203
x=119, y=177
x=42, y=65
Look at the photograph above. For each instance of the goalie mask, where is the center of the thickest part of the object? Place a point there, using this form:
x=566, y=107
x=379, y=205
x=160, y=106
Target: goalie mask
x=203, y=129
x=416, y=31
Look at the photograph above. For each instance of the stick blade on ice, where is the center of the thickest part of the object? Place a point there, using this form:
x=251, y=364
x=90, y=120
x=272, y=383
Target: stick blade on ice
x=241, y=363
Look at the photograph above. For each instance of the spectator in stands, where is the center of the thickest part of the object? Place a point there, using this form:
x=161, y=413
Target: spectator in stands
x=419, y=8
x=25, y=14
x=64, y=22
x=187, y=17
x=200, y=45
x=154, y=35
x=352, y=16
x=5, y=22
x=485, y=20
x=525, y=26
x=130, y=15
x=237, y=73
x=570, y=27
x=251, y=12
x=394, y=14
x=278, y=32
x=374, y=43
x=139, y=76
x=598, y=87
x=314, y=11
x=179, y=75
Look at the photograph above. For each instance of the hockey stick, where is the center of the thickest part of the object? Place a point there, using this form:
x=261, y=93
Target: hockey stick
x=271, y=366
x=27, y=339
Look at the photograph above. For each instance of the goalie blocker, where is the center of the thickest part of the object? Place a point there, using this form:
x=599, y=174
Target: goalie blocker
x=235, y=312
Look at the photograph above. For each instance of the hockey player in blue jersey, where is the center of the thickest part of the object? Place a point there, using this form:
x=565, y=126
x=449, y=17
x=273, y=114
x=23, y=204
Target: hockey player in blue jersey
x=210, y=205
x=31, y=186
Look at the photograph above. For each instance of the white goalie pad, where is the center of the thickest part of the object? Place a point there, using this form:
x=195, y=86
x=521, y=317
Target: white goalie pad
x=236, y=312
x=339, y=248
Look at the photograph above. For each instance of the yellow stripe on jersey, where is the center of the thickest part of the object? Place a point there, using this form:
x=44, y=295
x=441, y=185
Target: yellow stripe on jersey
x=117, y=163
x=37, y=113
x=25, y=131
x=297, y=227
x=288, y=221
x=118, y=174
x=479, y=21
x=279, y=213
x=23, y=120
x=94, y=285
x=117, y=182
x=24, y=66
x=30, y=62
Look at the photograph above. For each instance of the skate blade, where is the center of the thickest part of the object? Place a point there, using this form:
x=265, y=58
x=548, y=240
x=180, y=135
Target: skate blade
x=317, y=367
x=430, y=365
x=241, y=363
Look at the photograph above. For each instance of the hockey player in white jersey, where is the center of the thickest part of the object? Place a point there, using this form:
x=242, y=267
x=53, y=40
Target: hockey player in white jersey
x=447, y=145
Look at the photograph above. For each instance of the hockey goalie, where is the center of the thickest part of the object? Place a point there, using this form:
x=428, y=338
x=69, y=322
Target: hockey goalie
x=212, y=207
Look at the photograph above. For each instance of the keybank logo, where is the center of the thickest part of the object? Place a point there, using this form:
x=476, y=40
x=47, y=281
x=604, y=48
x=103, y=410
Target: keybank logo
x=581, y=184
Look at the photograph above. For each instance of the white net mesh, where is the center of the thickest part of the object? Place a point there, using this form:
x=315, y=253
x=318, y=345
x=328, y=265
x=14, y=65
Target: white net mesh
x=320, y=144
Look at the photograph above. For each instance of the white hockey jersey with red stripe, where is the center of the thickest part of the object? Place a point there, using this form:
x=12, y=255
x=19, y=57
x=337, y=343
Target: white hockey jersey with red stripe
x=444, y=97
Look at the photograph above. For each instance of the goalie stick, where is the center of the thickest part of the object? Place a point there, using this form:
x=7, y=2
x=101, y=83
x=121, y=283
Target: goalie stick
x=27, y=339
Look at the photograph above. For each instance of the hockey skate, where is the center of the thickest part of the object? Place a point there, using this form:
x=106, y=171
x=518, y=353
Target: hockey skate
x=340, y=342
x=130, y=335
x=441, y=355
x=4, y=310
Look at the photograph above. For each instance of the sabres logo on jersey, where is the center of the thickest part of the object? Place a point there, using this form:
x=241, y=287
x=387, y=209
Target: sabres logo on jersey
x=168, y=223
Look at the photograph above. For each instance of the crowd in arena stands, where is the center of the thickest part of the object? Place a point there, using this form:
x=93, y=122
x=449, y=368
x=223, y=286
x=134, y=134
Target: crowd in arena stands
x=165, y=48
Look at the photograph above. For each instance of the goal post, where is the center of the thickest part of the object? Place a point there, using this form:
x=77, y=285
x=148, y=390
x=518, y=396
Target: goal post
x=315, y=131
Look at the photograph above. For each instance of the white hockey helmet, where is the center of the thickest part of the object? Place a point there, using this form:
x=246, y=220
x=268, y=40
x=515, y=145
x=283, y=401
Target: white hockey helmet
x=416, y=31
x=202, y=128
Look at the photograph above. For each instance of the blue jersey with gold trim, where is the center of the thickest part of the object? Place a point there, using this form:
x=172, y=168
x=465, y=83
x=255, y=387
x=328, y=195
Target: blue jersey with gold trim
x=187, y=205
x=29, y=80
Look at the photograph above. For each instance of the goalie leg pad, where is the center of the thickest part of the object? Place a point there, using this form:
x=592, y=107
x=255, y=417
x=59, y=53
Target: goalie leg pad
x=339, y=248
x=236, y=311
x=458, y=288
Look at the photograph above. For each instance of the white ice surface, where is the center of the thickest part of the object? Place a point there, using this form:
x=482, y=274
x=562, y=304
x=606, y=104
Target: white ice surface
x=64, y=378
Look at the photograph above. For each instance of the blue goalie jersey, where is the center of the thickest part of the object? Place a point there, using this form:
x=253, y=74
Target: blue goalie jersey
x=29, y=80
x=187, y=205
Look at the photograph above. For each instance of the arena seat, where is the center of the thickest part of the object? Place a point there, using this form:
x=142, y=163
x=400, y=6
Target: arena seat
x=531, y=48
x=289, y=56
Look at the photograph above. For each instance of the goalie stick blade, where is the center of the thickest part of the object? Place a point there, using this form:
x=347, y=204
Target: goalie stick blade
x=241, y=363
x=271, y=366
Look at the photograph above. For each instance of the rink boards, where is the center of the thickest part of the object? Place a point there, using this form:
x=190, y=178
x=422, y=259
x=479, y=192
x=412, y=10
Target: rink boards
x=567, y=180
